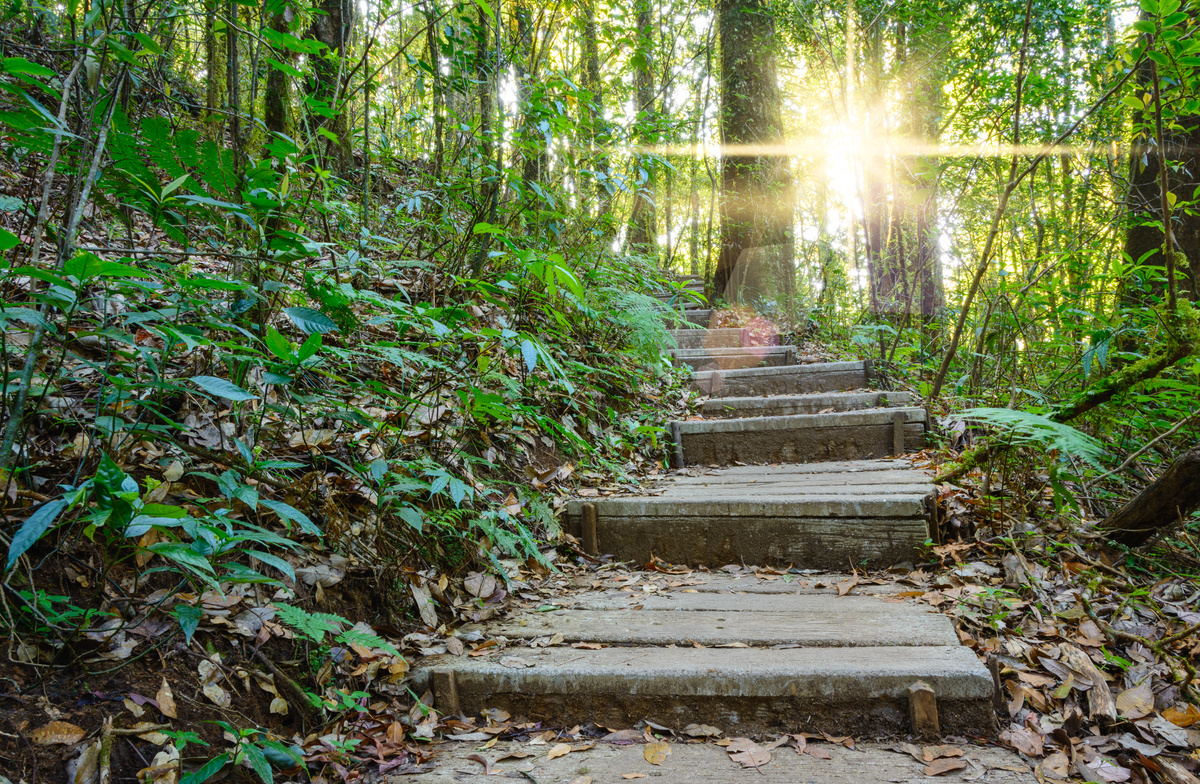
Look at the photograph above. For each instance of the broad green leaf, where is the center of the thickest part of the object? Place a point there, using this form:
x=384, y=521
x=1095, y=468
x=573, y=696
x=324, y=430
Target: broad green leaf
x=189, y=620
x=279, y=345
x=291, y=514
x=222, y=388
x=209, y=769
x=8, y=240
x=34, y=527
x=530, y=353
x=19, y=65
x=309, y=347
x=311, y=321
x=274, y=560
x=412, y=516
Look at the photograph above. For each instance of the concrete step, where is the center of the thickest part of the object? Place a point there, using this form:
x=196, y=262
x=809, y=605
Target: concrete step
x=786, y=380
x=787, y=405
x=857, y=691
x=708, y=763
x=812, y=516
x=803, y=438
x=729, y=337
x=709, y=359
x=684, y=619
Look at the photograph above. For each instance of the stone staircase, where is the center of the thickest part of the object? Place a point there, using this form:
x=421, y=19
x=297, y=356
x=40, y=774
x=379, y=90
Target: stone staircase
x=818, y=482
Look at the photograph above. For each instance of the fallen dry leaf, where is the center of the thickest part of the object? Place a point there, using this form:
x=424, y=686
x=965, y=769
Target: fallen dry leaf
x=656, y=753
x=747, y=753
x=701, y=731
x=941, y=766
x=581, y=780
x=166, y=700
x=561, y=750
x=1056, y=765
x=930, y=753
x=482, y=760
x=1136, y=702
x=633, y=775
x=818, y=752
x=57, y=732
x=1184, y=718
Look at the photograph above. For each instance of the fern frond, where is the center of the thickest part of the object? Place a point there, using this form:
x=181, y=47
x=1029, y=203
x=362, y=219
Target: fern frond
x=314, y=626
x=367, y=640
x=1027, y=428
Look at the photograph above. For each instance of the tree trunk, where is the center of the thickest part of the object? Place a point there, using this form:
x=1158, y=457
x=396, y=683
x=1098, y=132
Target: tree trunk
x=333, y=27
x=643, y=220
x=432, y=38
x=277, y=100
x=756, y=203
x=214, y=66
x=1143, y=236
x=594, y=130
x=1162, y=505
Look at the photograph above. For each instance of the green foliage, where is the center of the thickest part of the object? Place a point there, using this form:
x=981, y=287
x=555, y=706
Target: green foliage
x=1027, y=428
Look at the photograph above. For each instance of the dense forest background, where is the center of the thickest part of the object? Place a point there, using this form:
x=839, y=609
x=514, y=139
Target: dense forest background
x=336, y=303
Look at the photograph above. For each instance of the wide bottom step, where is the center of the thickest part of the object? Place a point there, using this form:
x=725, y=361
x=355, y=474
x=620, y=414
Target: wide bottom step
x=860, y=691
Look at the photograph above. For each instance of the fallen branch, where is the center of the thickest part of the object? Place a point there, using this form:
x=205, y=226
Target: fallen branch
x=1102, y=392
x=1163, y=503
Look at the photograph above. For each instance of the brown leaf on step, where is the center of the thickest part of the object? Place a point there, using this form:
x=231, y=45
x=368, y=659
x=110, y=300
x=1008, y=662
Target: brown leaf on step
x=1184, y=718
x=656, y=753
x=514, y=755
x=561, y=750
x=910, y=749
x=1024, y=740
x=166, y=700
x=818, y=752
x=623, y=737
x=845, y=586
x=57, y=733
x=930, y=753
x=701, y=731
x=941, y=766
x=633, y=775
x=482, y=760
x=581, y=780
x=1136, y=702
x=841, y=740
x=747, y=753
x=1056, y=765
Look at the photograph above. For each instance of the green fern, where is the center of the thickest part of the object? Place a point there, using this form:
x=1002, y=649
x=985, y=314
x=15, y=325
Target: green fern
x=367, y=640
x=637, y=317
x=1026, y=428
x=314, y=626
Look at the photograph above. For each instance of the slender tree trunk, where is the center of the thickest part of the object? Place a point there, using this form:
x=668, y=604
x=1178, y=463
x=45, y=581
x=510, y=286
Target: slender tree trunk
x=233, y=79
x=214, y=66
x=277, y=100
x=334, y=27
x=595, y=129
x=432, y=39
x=756, y=203
x=643, y=221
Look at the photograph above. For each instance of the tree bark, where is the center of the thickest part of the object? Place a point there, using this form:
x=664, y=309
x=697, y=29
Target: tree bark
x=643, y=222
x=756, y=203
x=333, y=28
x=214, y=66
x=1160, y=506
x=1143, y=236
x=277, y=99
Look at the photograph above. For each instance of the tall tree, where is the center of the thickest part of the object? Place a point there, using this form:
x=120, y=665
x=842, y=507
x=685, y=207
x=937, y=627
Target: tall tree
x=643, y=220
x=1179, y=146
x=333, y=25
x=756, y=202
